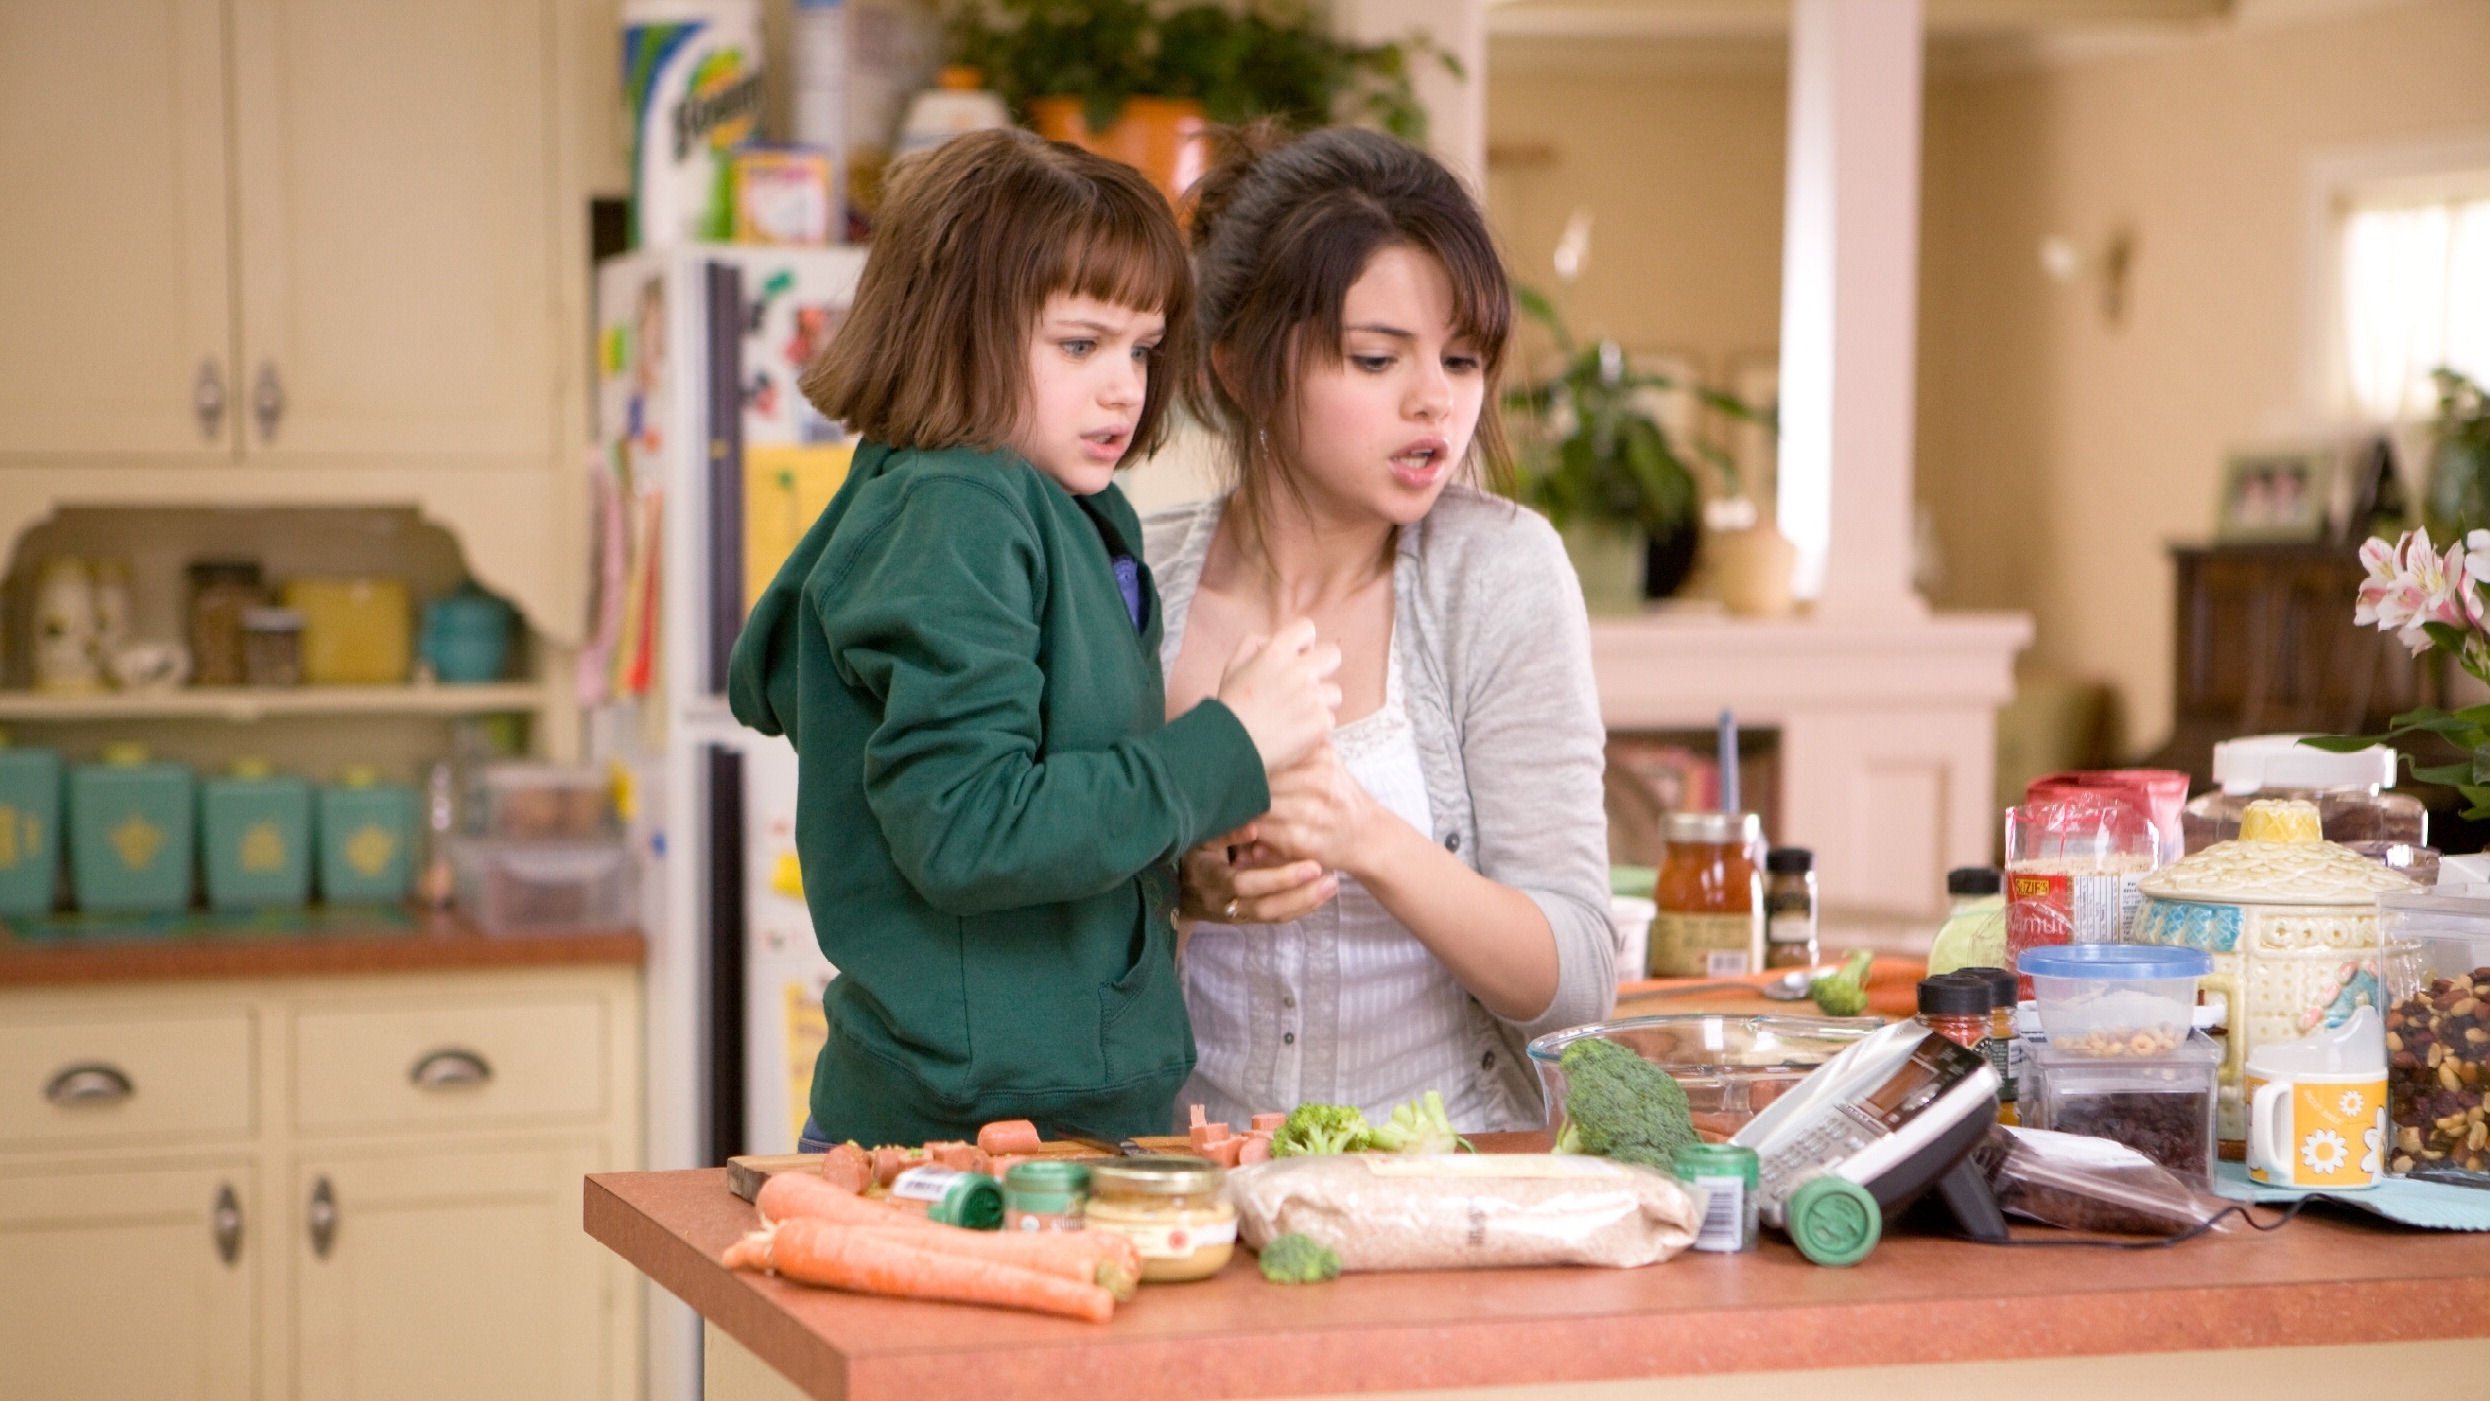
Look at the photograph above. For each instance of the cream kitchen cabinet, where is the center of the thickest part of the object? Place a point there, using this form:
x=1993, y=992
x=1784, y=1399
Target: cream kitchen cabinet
x=319, y=1187
x=287, y=251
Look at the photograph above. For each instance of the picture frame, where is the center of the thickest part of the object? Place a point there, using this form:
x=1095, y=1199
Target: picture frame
x=2276, y=494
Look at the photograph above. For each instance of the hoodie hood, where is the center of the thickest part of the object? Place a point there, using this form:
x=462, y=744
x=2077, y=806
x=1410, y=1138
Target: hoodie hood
x=763, y=673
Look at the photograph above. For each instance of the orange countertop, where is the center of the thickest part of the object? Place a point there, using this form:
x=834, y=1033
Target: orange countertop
x=1915, y=1300
x=307, y=942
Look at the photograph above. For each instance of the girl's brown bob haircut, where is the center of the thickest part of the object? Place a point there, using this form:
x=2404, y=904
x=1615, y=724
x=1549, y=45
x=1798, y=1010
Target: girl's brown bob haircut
x=974, y=236
x=1281, y=230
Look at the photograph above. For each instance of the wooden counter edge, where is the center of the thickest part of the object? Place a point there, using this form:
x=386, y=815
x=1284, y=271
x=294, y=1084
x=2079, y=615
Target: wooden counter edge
x=1571, y=1345
x=435, y=943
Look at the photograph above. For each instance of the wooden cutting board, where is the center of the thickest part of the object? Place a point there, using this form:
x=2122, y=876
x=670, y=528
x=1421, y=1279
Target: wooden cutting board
x=746, y=1172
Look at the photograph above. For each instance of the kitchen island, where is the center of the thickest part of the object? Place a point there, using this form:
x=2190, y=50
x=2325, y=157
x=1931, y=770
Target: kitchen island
x=2323, y=1306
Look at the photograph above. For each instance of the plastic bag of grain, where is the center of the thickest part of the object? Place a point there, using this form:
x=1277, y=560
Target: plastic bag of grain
x=1449, y=1211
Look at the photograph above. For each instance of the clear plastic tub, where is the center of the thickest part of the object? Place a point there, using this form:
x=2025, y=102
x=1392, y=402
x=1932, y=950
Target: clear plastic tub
x=541, y=802
x=2160, y=1105
x=538, y=887
x=2436, y=970
x=2115, y=1000
x=1729, y=1066
x=2351, y=792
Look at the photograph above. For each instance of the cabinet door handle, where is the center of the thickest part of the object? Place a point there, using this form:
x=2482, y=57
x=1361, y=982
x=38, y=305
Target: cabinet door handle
x=88, y=1082
x=323, y=1217
x=451, y=1067
x=207, y=399
x=268, y=400
x=228, y=1224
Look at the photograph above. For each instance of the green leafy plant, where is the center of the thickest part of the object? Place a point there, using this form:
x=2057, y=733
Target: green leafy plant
x=1590, y=452
x=2458, y=497
x=1240, y=60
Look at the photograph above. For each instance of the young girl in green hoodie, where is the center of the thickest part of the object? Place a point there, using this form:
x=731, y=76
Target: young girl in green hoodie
x=964, y=651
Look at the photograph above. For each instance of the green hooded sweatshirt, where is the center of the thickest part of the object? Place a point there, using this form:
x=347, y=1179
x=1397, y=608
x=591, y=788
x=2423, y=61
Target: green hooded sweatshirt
x=990, y=800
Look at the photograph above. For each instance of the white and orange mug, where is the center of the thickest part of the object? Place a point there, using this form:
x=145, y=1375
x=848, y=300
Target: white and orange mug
x=2317, y=1129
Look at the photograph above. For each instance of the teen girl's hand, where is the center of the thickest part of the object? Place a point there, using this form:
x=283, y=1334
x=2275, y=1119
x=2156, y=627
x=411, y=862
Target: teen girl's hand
x=1236, y=879
x=1281, y=692
x=1320, y=813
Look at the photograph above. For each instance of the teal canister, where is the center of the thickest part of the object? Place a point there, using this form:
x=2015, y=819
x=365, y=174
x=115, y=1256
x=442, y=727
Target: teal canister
x=466, y=636
x=255, y=838
x=367, y=840
x=132, y=833
x=30, y=829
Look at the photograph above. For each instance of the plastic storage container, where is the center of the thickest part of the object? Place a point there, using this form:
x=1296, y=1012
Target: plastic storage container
x=367, y=840
x=2160, y=1105
x=30, y=829
x=2436, y=968
x=2350, y=791
x=537, y=802
x=2111, y=1001
x=1729, y=1066
x=535, y=887
x=132, y=833
x=255, y=838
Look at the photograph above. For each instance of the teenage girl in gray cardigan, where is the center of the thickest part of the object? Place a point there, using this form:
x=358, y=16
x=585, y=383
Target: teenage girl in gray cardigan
x=1429, y=891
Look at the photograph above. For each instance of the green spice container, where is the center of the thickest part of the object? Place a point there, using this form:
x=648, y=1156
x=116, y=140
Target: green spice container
x=955, y=1198
x=1730, y=1177
x=367, y=840
x=1833, y=1220
x=131, y=832
x=255, y=830
x=1047, y=1195
x=30, y=825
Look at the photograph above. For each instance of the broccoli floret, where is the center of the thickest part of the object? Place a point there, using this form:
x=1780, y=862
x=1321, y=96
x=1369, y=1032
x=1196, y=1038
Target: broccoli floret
x=1844, y=994
x=1420, y=1126
x=1298, y=1259
x=1619, y=1105
x=1321, y=1128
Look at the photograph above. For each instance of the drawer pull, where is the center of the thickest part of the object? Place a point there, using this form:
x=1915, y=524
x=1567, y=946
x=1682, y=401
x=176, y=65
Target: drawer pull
x=228, y=1224
x=323, y=1217
x=207, y=399
x=88, y=1082
x=268, y=401
x=451, y=1067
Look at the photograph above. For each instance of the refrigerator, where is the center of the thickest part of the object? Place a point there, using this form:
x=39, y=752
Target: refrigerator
x=709, y=465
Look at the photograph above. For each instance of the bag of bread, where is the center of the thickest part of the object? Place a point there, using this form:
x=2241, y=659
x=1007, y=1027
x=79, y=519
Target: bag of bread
x=1450, y=1211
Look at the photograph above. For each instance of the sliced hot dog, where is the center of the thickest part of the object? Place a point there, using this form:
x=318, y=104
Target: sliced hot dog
x=1008, y=1136
x=847, y=1166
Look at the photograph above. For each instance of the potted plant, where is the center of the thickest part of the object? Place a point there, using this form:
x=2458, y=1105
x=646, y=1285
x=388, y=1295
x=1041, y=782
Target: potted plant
x=1605, y=472
x=1140, y=80
x=2459, y=469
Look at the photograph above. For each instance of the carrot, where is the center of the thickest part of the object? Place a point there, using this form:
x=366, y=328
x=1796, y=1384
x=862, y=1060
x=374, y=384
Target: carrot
x=1070, y=1255
x=1008, y=1136
x=788, y=1195
x=878, y=1262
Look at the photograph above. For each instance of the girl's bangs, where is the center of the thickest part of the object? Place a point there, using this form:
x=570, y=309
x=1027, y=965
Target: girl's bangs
x=1116, y=260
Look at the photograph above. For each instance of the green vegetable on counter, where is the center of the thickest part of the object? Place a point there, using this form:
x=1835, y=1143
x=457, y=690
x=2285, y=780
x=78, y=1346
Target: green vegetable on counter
x=1420, y=1126
x=1621, y=1106
x=1298, y=1259
x=1844, y=994
x=1321, y=1128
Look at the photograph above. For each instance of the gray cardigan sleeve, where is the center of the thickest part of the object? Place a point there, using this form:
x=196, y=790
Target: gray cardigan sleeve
x=1532, y=750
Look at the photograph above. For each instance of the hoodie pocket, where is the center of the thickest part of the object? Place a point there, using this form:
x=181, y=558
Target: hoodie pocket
x=1142, y=1027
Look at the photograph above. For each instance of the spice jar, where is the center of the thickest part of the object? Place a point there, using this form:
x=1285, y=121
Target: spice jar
x=1956, y=1008
x=1710, y=922
x=272, y=647
x=221, y=591
x=1730, y=1176
x=1789, y=907
x=1045, y=1196
x=2003, y=1048
x=1171, y=1208
x=948, y=1195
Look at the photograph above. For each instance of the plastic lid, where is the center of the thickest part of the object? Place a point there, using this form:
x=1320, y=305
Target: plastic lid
x=2259, y=762
x=2124, y=962
x=1050, y=1187
x=125, y=754
x=1718, y=828
x=1695, y=1160
x=2003, y=984
x=973, y=1200
x=1632, y=880
x=251, y=766
x=1172, y=1175
x=1974, y=880
x=1953, y=995
x=1833, y=1220
x=1789, y=861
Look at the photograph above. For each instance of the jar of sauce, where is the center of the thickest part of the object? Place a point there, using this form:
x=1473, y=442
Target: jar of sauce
x=1711, y=920
x=1173, y=1209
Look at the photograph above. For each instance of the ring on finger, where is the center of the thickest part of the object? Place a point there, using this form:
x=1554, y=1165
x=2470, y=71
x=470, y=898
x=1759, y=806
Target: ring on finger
x=1229, y=910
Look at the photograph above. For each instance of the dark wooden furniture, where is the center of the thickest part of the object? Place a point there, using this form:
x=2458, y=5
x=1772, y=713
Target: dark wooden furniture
x=2266, y=645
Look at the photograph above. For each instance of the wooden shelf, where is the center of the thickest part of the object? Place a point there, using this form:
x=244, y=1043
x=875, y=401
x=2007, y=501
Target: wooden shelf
x=247, y=703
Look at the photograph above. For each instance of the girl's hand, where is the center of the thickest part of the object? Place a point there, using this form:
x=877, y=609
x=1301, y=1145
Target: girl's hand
x=1280, y=691
x=1319, y=813
x=1237, y=880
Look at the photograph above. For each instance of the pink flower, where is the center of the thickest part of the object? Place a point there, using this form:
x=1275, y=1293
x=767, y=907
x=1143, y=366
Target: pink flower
x=2377, y=606
x=2476, y=585
x=2429, y=586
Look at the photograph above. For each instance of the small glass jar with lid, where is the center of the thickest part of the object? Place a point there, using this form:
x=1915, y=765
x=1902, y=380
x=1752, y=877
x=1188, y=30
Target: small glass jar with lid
x=1711, y=910
x=1173, y=1209
x=2352, y=792
x=1049, y=1194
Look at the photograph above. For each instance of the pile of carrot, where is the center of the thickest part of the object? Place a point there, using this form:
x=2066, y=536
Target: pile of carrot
x=817, y=1231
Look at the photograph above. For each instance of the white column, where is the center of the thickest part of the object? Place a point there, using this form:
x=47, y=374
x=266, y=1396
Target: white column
x=1456, y=107
x=1849, y=287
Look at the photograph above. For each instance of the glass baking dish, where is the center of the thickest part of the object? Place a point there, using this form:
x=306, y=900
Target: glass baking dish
x=1731, y=1066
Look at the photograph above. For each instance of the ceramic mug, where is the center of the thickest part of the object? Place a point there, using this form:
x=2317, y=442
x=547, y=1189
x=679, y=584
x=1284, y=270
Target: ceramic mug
x=2316, y=1128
